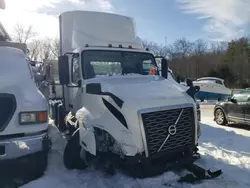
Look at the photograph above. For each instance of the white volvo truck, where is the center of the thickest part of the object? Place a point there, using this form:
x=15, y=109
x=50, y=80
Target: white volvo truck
x=23, y=113
x=112, y=101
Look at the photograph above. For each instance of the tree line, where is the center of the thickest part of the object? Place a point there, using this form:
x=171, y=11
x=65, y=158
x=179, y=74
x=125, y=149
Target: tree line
x=39, y=49
x=229, y=60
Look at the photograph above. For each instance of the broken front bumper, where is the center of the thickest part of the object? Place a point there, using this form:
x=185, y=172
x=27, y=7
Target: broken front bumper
x=15, y=146
x=142, y=167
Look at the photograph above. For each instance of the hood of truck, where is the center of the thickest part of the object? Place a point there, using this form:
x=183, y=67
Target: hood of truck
x=145, y=91
x=138, y=92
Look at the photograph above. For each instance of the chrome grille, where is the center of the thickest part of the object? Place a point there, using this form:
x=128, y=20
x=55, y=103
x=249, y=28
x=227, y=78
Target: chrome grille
x=156, y=125
x=7, y=109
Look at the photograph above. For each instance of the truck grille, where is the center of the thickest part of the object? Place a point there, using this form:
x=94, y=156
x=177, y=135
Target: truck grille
x=156, y=125
x=7, y=109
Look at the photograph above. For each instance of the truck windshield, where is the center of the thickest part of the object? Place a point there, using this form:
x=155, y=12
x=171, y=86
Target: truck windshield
x=109, y=63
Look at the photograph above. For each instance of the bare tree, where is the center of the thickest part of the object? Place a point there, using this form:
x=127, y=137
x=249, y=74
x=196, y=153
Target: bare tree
x=22, y=34
x=182, y=47
x=219, y=47
x=155, y=48
x=152, y=46
x=45, y=49
x=181, y=50
x=55, y=47
x=33, y=48
x=199, y=49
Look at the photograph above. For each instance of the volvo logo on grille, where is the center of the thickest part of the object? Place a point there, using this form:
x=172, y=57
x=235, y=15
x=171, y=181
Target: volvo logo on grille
x=172, y=130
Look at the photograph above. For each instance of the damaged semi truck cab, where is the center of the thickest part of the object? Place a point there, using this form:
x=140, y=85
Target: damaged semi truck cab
x=113, y=101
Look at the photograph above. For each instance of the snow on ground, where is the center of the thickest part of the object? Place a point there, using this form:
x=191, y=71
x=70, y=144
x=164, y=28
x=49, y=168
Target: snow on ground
x=225, y=148
x=209, y=102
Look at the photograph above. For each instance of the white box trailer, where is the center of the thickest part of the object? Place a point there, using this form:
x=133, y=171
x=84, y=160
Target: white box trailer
x=113, y=102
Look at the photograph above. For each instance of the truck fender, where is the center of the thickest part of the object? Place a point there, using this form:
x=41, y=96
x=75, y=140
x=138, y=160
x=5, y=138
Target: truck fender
x=86, y=131
x=87, y=140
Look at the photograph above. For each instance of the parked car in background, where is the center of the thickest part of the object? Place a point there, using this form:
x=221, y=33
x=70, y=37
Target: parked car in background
x=236, y=109
x=245, y=91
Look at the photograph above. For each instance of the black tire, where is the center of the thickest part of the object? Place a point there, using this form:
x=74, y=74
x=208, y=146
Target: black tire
x=71, y=157
x=220, y=117
x=26, y=169
x=37, y=165
x=42, y=163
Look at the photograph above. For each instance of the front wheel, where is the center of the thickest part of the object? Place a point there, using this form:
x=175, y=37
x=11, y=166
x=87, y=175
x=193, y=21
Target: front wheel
x=71, y=157
x=220, y=117
x=35, y=165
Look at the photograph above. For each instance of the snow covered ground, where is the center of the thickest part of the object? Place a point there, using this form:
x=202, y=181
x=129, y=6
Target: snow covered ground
x=212, y=102
x=226, y=148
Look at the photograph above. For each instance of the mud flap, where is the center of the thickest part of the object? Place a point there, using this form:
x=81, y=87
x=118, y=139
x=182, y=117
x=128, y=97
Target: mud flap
x=198, y=174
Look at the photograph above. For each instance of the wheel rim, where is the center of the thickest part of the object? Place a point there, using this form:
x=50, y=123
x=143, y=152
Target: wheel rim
x=219, y=116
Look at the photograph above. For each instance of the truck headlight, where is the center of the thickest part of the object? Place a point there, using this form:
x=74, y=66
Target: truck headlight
x=26, y=118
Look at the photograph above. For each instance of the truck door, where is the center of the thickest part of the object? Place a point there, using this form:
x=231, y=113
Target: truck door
x=236, y=109
x=75, y=89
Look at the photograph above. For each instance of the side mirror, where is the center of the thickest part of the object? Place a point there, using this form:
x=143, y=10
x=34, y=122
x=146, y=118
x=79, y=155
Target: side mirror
x=63, y=67
x=189, y=82
x=94, y=88
x=233, y=100
x=164, y=68
x=197, y=88
x=192, y=90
